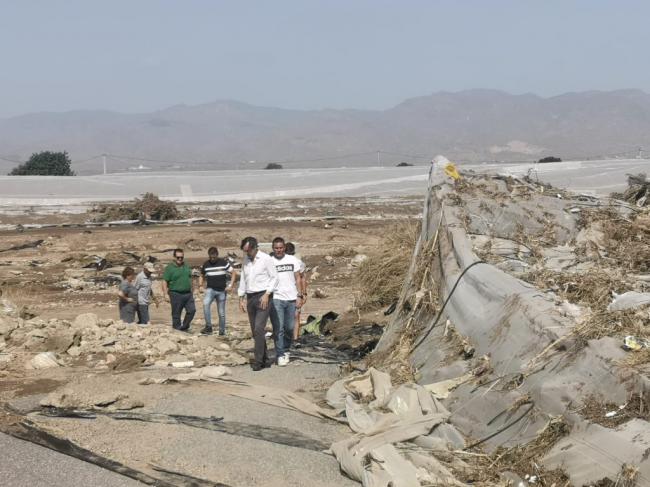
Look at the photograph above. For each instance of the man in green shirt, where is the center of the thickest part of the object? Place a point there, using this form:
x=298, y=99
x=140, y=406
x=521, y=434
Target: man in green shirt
x=177, y=289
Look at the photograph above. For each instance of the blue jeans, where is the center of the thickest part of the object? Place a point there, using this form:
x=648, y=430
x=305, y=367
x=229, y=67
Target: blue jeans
x=283, y=317
x=143, y=314
x=220, y=297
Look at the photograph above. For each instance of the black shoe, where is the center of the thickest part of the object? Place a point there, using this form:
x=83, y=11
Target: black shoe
x=206, y=331
x=186, y=329
x=268, y=363
x=257, y=367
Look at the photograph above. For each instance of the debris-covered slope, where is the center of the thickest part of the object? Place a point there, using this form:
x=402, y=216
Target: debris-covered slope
x=509, y=298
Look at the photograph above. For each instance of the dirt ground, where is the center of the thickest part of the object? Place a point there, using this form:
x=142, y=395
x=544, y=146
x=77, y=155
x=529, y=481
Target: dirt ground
x=48, y=284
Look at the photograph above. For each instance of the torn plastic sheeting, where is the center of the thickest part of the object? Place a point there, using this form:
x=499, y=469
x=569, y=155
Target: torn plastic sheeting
x=271, y=396
x=442, y=389
x=593, y=452
x=29, y=245
x=282, y=436
x=352, y=453
x=29, y=432
x=371, y=384
x=628, y=300
x=514, y=322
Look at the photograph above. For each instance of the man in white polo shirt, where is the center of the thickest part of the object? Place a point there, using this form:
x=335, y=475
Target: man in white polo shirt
x=285, y=299
x=258, y=281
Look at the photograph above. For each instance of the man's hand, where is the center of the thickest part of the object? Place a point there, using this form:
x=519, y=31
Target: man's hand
x=166, y=298
x=242, y=305
x=264, y=302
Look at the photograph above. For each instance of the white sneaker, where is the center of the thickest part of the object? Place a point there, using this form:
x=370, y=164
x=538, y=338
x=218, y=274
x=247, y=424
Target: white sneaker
x=282, y=361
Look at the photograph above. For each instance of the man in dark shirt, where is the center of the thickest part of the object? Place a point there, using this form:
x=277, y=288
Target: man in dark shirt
x=217, y=275
x=177, y=288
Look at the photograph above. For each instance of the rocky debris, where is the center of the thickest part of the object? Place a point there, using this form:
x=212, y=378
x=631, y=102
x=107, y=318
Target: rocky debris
x=319, y=293
x=92, y=339
x=69, y=399
x=358, y=259
x=638, y=190
x=45, y=360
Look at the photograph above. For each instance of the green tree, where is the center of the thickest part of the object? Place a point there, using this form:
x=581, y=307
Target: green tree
x=45, y=163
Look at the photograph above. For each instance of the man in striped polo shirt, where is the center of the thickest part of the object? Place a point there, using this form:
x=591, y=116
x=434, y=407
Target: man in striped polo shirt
x=216, y=273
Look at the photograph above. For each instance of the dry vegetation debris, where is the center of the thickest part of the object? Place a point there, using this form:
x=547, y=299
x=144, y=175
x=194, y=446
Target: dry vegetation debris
x=380, y=277
x=149, y=207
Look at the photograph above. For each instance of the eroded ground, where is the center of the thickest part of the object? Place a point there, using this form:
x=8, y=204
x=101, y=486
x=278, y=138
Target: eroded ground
x=53, y=302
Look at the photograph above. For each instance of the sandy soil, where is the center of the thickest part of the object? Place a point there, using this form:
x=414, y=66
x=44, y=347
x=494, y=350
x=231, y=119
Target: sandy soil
x=49, y=282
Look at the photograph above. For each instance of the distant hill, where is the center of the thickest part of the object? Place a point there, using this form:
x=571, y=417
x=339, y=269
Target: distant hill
x=471, y=125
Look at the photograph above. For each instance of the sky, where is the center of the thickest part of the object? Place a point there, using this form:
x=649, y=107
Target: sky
x=143, y=55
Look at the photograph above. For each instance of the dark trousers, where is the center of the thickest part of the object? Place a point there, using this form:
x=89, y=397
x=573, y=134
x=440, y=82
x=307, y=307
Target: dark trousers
x=257, y=317
x=178, y=302
x=143, y=314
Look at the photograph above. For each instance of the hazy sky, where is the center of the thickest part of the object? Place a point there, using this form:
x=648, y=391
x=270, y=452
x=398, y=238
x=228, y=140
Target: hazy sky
x=141, y=55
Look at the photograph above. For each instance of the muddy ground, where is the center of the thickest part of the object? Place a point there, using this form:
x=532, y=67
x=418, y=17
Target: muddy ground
x=47, y=285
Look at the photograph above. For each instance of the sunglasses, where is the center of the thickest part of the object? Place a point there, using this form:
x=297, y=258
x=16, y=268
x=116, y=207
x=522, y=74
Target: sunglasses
x=180, y=257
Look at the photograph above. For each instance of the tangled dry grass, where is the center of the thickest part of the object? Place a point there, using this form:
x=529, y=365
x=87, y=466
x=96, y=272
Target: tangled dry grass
x=380, y=278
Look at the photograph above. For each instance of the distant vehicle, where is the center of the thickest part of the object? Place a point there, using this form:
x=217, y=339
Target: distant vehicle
x=404, y=164
x=273, y=165
x=550, y=159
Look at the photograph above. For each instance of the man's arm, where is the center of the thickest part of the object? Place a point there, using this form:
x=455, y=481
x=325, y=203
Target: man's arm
x=234, y=275
x=241, y=290
x=272, y=272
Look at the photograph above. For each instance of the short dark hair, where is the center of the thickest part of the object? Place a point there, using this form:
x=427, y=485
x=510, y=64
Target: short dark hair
x=251, y=241
x=213, y=251
x=290, y=248
x=176, y=251
x=128, y=271
x=277, y=240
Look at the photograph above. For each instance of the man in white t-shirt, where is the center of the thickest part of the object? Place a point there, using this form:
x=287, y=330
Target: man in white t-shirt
x=285, y=299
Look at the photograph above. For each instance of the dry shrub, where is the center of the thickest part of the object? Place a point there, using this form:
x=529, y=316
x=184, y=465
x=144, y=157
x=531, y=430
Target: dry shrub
x=149, y=207
x=524, y=459
x=594, y=409
x=381, y=276
x=592, y=289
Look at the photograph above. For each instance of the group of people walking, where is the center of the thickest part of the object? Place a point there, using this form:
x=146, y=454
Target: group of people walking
x=270, y=287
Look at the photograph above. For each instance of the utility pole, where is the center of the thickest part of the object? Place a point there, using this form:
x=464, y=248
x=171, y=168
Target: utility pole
x=379, y=158
x=104, y=162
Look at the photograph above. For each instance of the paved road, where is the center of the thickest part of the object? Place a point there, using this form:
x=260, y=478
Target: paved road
x=23, y=464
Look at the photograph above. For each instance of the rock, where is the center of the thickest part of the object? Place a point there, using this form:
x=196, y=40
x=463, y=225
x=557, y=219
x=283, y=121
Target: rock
x=127, y=404
x=75, y=284
x=63, y=400
x=223, y=346
x=44, y=360
x=329, y=260
x=110, y=358
x=109, y=398
x=319, y=293
x=60, y=342
x=26, y=313
x=86, y=321
x=7, y=326
x=165, y=346
x=358, y=259
x=74, y=351
x=183, y=365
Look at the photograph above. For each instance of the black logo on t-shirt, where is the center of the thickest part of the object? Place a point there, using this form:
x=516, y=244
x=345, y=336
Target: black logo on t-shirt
x=284, y=267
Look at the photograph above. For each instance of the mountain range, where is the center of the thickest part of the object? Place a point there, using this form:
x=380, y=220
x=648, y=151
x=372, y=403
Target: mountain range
x=472, y=126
